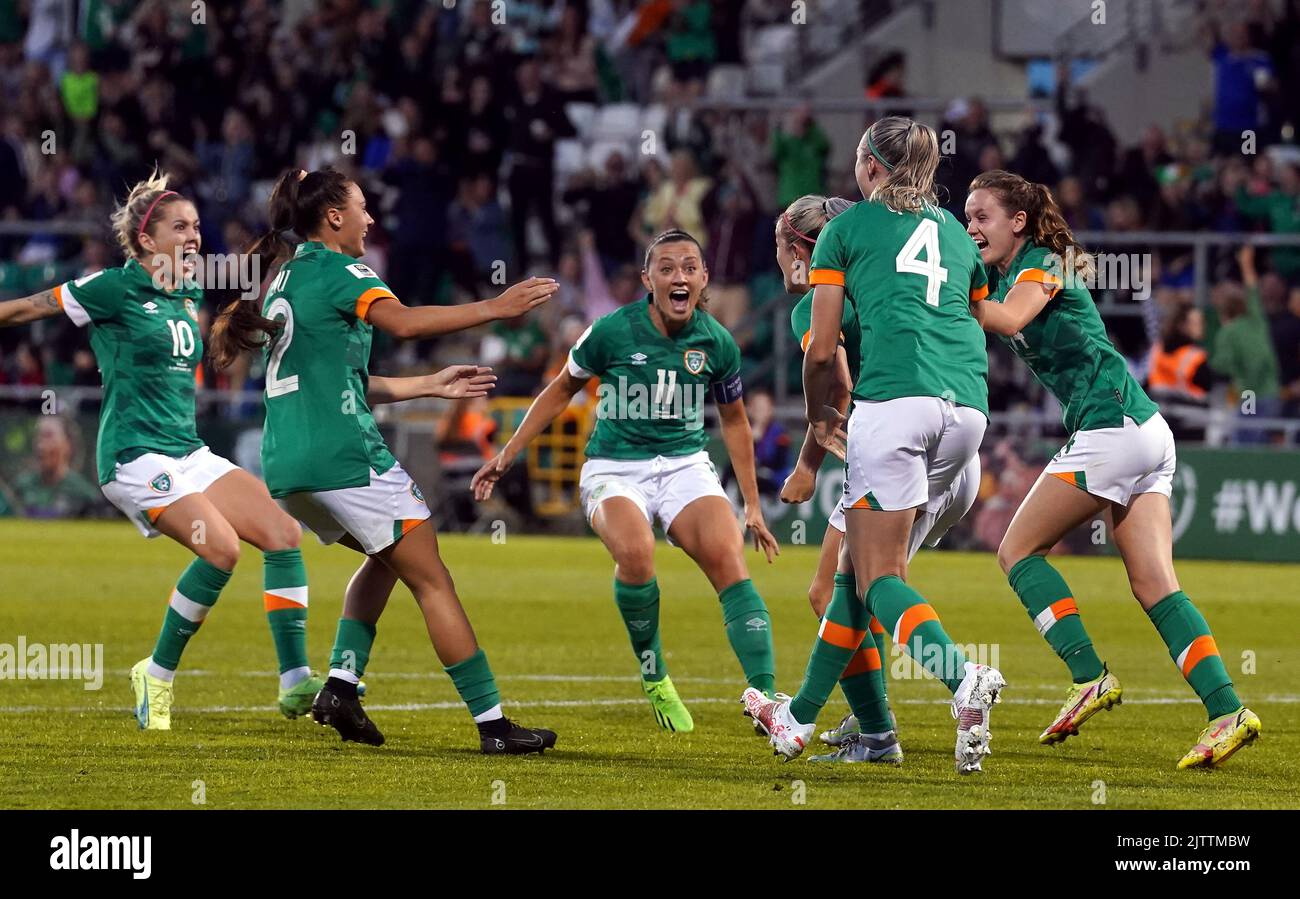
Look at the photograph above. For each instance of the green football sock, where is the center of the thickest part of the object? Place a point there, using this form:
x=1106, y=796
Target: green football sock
x=475, y=683
x=1192, y=647
x=840, y=656
x=863, y=684
x=194, y=596
x=877, y=632
x=351, y=652
x=916, y=628
x=749, y=629
x=639, y=606
x=284, y=582
x=1050, y=604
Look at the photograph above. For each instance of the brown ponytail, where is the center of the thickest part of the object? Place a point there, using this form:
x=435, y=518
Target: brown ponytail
x=298, y=204
x=1044, y=223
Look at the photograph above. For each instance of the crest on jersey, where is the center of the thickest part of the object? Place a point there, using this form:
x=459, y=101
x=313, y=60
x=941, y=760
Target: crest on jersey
x=360, y=270
x=695, y=361
x=415, y=491
x=191, y=310
x=161, y=483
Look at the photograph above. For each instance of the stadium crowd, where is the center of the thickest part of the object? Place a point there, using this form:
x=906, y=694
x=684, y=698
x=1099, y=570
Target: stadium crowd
x=560, y=141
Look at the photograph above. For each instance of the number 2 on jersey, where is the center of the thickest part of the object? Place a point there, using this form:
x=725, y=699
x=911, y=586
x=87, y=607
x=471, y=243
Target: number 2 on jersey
x=276, y=385
x=925, y=237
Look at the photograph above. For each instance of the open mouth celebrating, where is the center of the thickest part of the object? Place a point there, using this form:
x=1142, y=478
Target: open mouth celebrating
x=680, y=298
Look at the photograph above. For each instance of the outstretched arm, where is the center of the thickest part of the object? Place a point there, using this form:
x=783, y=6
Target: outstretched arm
x=29, y=309
x=391, y=316
x=453, y=383
x=549, y=403
x=739, y=439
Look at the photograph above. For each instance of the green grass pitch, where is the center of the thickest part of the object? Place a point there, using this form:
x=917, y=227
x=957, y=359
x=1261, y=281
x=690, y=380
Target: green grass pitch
x=543, y=610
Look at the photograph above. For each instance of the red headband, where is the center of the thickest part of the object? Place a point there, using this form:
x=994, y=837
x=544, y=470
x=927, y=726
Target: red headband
x=785, y=217
x=144, y=222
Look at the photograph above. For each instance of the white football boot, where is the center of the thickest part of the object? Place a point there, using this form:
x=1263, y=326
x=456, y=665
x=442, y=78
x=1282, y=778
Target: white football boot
x=864, y=748
x=979, y=689
x=787, y=736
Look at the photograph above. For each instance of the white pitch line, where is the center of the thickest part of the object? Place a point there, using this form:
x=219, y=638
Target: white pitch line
x=1289, y=698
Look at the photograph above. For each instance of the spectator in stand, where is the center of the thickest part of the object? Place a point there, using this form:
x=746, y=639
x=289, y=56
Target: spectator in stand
x=1032, y=159
x=478, y=236
x=604, y=203
x=537, y=119
x=729, y=210
x=477, y=130
x=1242, y=75
x=968, y=122
x=799, y=151
x=885, y=80
x=677, y=202
x=1277, y=205
x=1137, y=170
x=689, y=44
x=51, y=487
x=1243, y=351
x=1082, y=128
x=572, y=57
x=600, y=295
x=424, y=189
x=1079, y=214
x=517, y=349
x=1178, y=371
x=771, y=443
x=1285, y=328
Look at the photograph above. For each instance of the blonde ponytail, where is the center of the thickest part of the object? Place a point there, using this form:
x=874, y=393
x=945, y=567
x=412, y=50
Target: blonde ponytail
x=909, y=151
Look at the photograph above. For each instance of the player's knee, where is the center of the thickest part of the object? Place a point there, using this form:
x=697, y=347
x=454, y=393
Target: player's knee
x=819, y=597
x=1008, y=555
x=1149, y=590
x=222, y=553
x=287, y=534
x=636, y=562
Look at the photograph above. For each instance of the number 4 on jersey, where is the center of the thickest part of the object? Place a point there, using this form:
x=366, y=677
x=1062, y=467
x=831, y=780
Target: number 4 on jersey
x=925, y=237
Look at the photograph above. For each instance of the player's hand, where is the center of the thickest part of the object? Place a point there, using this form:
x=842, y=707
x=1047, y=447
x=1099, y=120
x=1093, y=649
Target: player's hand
x=798, y=488
x=830, y=433
x=486, y=477
x=525, y=296
x=763, y=539
x=460, y=381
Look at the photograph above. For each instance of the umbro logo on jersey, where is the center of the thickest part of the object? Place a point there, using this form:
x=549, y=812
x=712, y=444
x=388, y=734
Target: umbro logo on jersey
x=638, y=358
x=756, y=624
x=150, y=307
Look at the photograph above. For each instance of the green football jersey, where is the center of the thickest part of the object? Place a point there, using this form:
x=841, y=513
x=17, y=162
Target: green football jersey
x=1067, y=349
x=850, y=330
x=651, y=397
x=147, y=344
x=911, y=278
x=319, y=433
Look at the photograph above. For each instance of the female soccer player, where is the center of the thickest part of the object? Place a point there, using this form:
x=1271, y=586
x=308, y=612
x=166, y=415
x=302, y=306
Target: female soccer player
x=153, y=466
x=921, y=406
x=870, y=733
x=323, y=456
x=658, y=359
x=1120, y=457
